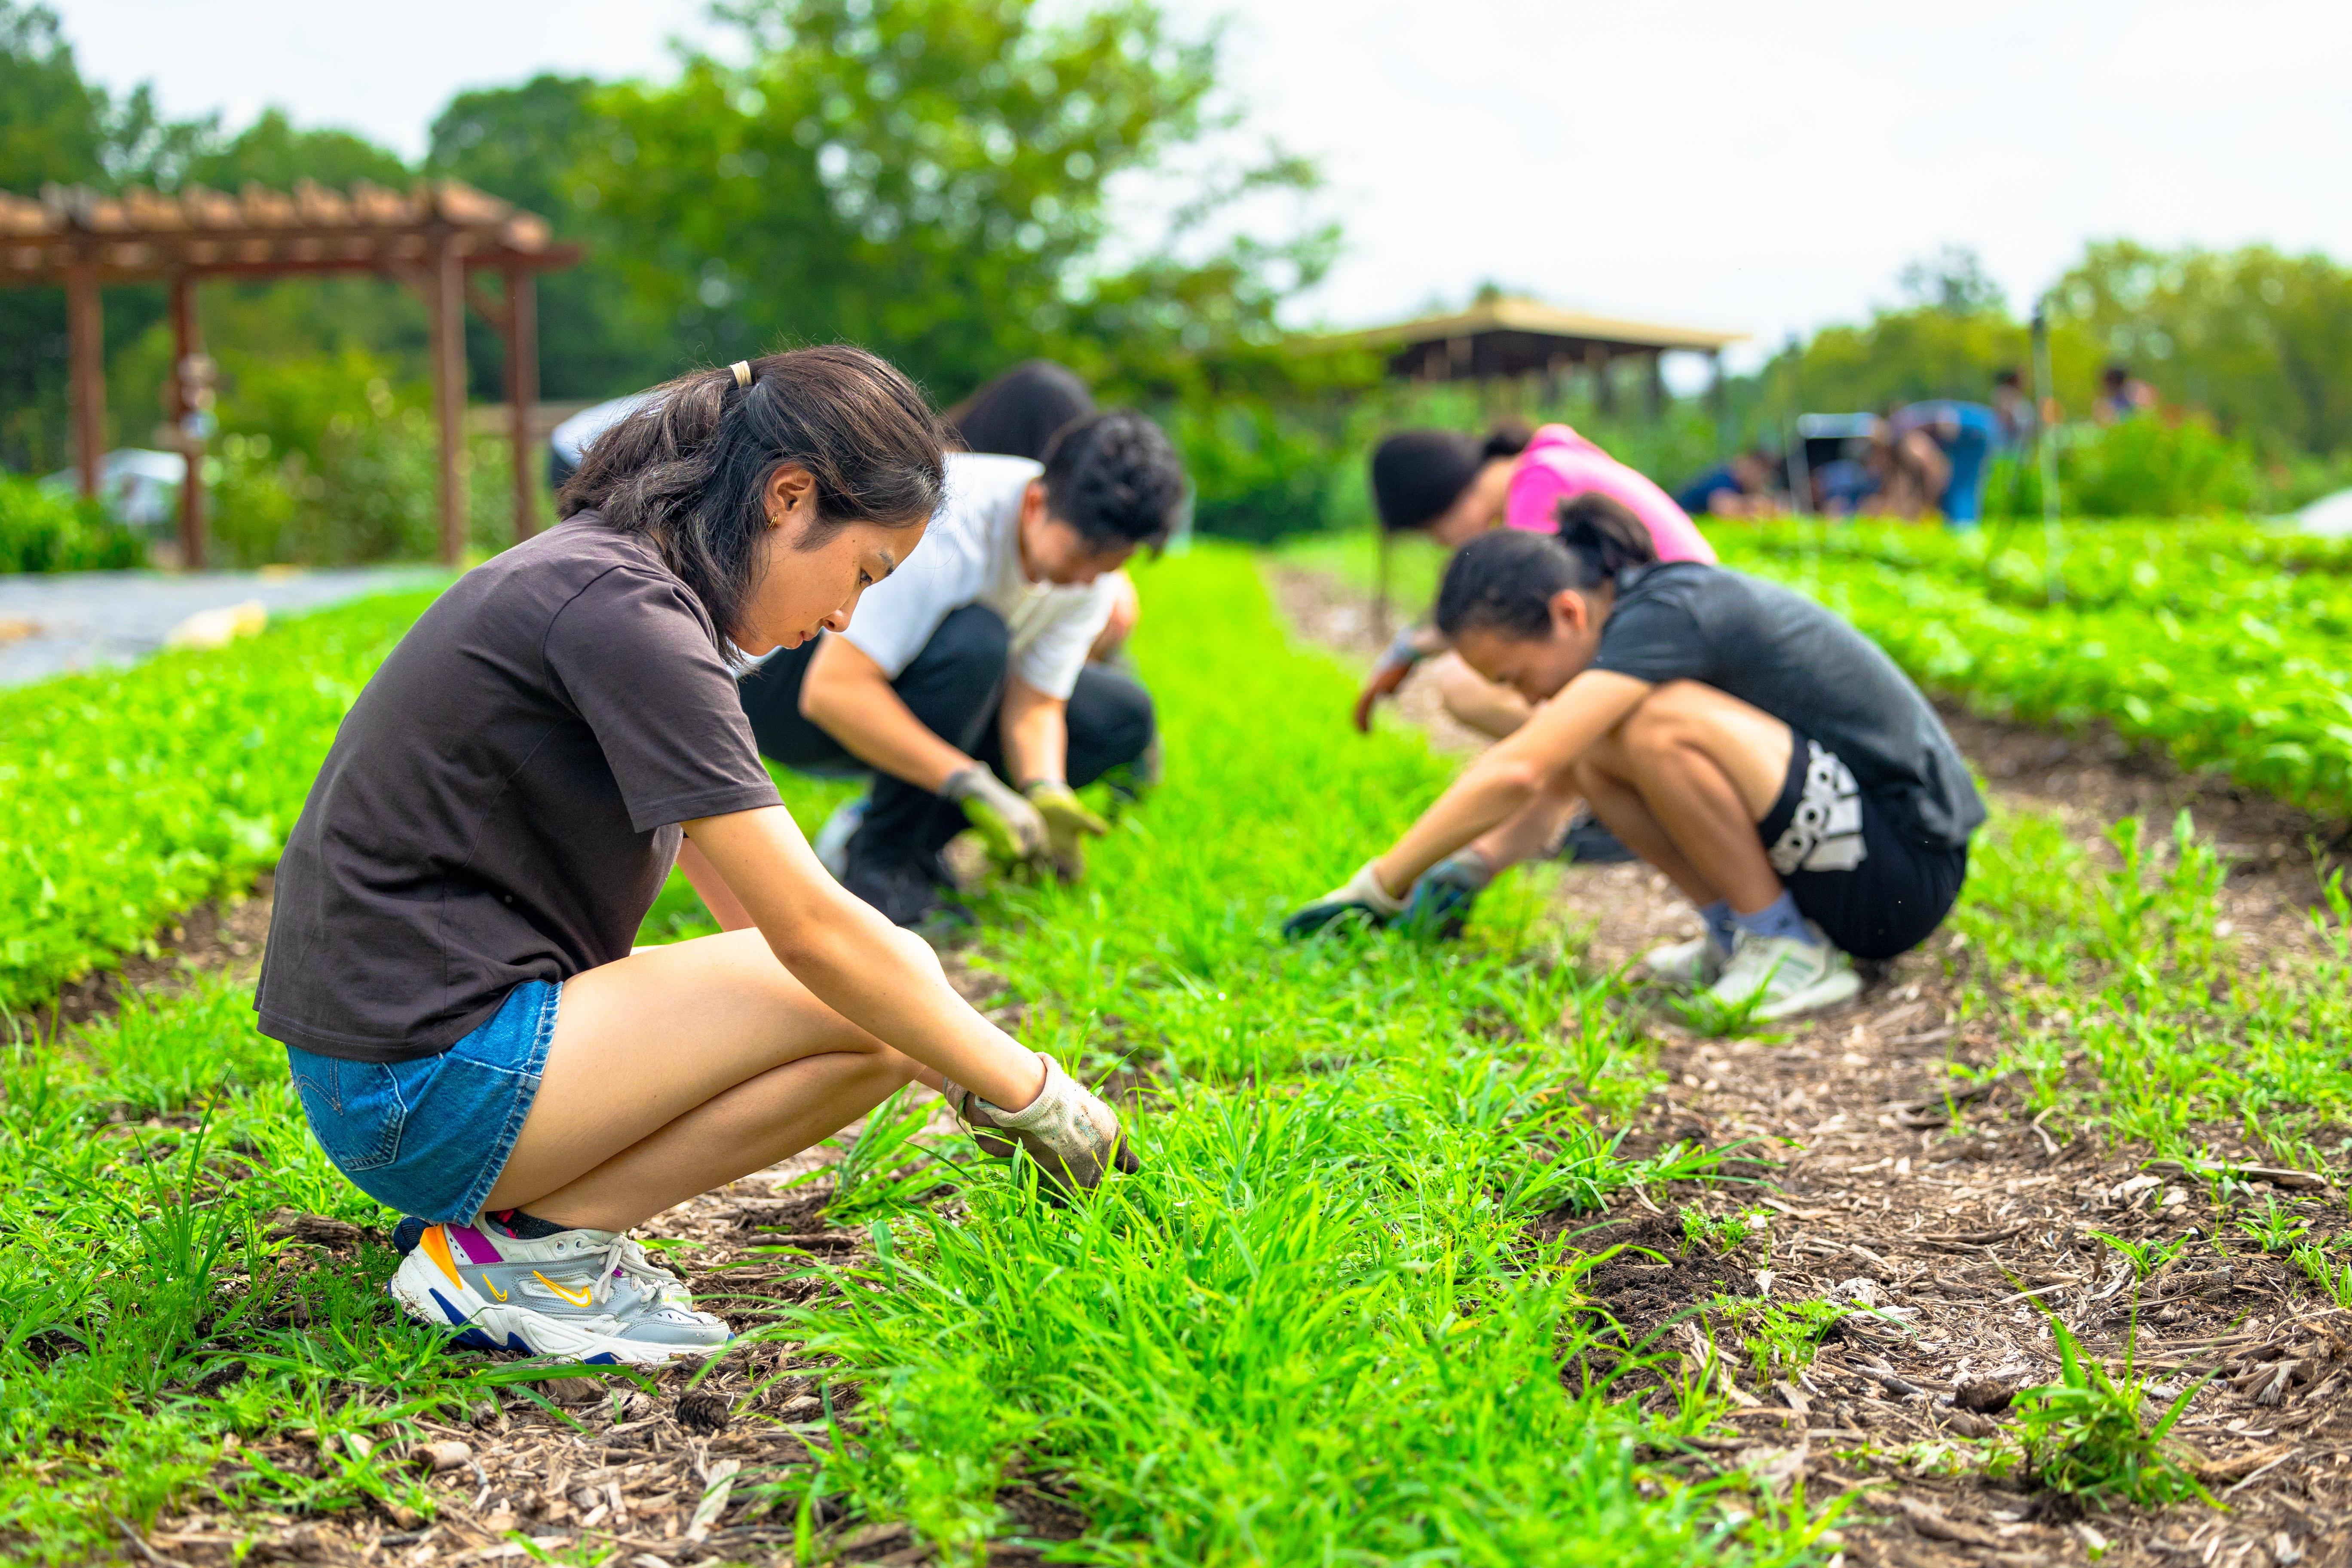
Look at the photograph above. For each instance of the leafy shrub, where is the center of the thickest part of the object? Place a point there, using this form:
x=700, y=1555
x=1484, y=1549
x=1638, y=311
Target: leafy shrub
x=41, y=531
x=127, y=796
x=1257, y=474
x=2140, y=468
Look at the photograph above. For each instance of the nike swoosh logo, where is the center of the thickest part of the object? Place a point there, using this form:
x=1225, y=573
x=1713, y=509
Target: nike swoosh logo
x=492, y=1289
x=579, y=1301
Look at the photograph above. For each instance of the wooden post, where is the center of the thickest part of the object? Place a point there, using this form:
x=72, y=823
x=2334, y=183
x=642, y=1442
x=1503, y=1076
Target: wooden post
x=1604, y=385
x=86, y=340
x=1657, y=384
x=1718, y=401
x=522, y=389
x=188, y=341
x=447, y=290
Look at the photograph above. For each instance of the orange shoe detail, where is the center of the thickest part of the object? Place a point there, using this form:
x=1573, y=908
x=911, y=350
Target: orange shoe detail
x=435, y=1243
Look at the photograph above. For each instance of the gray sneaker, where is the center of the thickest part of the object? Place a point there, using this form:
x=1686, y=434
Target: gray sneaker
x=587, y=1295
x=1785, y=976
x=1697, y=962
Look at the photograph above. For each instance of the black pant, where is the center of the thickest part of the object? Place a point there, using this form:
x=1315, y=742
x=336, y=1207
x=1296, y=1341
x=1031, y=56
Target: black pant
x=956, y=686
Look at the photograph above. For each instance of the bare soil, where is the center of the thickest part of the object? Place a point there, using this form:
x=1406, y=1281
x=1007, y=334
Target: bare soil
x=1957, y=1224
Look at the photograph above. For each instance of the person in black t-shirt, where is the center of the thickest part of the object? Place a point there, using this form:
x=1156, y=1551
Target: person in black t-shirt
x=449, y=963
x=1767, y=757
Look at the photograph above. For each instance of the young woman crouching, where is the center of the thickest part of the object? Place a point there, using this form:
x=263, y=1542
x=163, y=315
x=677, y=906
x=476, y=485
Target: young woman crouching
x=449, y=960
x=1765, y=756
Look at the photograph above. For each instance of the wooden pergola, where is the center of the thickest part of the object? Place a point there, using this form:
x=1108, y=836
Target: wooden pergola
x=435, y=238
x=1507, y=338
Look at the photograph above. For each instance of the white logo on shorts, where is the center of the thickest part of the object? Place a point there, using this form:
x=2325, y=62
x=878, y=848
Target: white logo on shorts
x=1826, y=833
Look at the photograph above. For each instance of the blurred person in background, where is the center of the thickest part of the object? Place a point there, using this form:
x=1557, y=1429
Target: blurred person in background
x=450, y=965
x=1907, y=470
x=1018, y=414
x=1748, y=485
x=1966, y=436
x=963, y=683
x=2014, y=411
x=2122, y=395
x=1771, y=761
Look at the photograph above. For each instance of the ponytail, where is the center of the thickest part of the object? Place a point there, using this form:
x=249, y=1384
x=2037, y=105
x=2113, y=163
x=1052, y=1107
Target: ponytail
x=1507, y=439
x=1505, y=581
x=689, y=469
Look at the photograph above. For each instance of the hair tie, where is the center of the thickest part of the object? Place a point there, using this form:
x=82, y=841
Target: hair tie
x=742, y=369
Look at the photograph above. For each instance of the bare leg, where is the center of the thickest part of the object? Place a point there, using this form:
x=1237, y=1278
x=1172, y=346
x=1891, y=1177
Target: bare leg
x=1684, y=780
x=1478, y=702
x=678, y=1069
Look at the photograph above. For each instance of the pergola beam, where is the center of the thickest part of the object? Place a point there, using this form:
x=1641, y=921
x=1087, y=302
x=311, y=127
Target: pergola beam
x=433, y=238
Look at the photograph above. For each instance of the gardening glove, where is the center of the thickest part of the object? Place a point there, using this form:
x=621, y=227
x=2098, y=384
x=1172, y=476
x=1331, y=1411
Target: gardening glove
x=1070, y=1134
x=1360, y=895
x=1008, y=824
x=1068, y=825
x=1441, y=898
x=1395, y=663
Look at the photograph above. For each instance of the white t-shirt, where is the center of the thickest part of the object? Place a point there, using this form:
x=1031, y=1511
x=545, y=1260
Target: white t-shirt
x=971, y=556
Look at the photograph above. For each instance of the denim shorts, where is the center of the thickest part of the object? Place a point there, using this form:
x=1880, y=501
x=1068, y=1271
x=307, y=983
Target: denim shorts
x=429, y=1137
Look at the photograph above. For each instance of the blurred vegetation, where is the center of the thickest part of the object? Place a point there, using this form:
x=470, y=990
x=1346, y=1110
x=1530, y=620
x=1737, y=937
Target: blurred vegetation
x=41, y=531
x=962, y=184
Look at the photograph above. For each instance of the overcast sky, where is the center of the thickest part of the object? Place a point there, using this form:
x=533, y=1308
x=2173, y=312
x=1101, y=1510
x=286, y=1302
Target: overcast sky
x=1760, y=168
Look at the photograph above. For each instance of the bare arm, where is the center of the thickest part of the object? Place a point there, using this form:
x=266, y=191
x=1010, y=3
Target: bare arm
x=717, y=896
x=887, y=981
x=847, y=695
x=1036, y=733
x=1501, y=782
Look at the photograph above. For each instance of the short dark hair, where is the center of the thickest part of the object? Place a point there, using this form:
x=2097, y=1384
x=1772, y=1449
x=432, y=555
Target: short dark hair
x=1417, y=475
x=1505, y=581
x=687, y=469
x=1115, y=478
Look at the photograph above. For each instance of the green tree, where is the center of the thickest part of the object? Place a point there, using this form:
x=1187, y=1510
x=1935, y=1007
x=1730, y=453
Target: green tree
x=935, y=179
x=524, y=143
x=2260, y=340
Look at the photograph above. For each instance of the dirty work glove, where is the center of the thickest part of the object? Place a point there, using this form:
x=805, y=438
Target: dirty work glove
x=1008, y=824
x=1070, y=1134
x=1395, y=663
x=1360, y=895
x=1441, y=898
x=1068, y=825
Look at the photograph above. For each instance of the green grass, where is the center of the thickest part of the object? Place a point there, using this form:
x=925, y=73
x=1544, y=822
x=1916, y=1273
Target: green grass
x=1314, y=1328
x=129, y=796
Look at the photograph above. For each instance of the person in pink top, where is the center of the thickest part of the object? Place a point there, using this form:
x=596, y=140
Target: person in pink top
x=1454, y=487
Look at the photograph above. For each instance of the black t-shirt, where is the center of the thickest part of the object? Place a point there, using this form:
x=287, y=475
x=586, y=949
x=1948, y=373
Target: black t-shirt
x=1779, y=652
x=501, y=804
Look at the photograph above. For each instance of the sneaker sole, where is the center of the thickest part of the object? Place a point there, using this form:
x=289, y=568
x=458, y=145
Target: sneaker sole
x=1839, y=986
x=431, y=1297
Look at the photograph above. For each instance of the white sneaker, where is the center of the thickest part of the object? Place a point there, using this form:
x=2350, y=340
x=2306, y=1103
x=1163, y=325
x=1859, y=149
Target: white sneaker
x=832, y=844
x=1698, y=962
x=1785, y=975
x=587, y=1295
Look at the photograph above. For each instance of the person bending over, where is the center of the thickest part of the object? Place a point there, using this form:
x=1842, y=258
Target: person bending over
x=1018, y=414
x=1768, y=758
x=1453, y=488
x=1748, y=485
x=963, y=682
x=449, y=966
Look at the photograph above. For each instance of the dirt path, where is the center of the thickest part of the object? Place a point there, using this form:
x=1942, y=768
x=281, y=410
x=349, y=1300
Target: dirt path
x=1955, y=1222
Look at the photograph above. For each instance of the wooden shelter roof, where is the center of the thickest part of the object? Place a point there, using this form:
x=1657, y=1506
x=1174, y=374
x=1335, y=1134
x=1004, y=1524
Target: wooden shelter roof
x=143, y=235
x=1512, y=336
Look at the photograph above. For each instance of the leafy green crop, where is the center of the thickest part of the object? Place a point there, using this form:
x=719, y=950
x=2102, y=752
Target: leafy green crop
x=128, y=796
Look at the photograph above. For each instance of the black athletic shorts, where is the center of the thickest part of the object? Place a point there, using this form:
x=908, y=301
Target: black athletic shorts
x=1874, y=886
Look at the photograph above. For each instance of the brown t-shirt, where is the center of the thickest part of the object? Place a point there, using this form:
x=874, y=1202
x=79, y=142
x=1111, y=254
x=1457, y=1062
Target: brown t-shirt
x=501, y=804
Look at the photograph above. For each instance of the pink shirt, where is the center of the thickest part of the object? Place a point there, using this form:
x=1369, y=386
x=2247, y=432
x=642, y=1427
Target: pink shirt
x=1560, y=463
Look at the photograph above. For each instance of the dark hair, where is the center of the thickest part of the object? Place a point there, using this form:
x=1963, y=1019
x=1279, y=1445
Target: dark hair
x=1019, y=413
x=1115, y=478
x=1505, y=581
x=689, y=468
x=2008, y=375
x=1417, y=475
x=2117, y=372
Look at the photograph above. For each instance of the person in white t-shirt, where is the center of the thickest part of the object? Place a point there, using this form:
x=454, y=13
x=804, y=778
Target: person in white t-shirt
x=962, y=681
